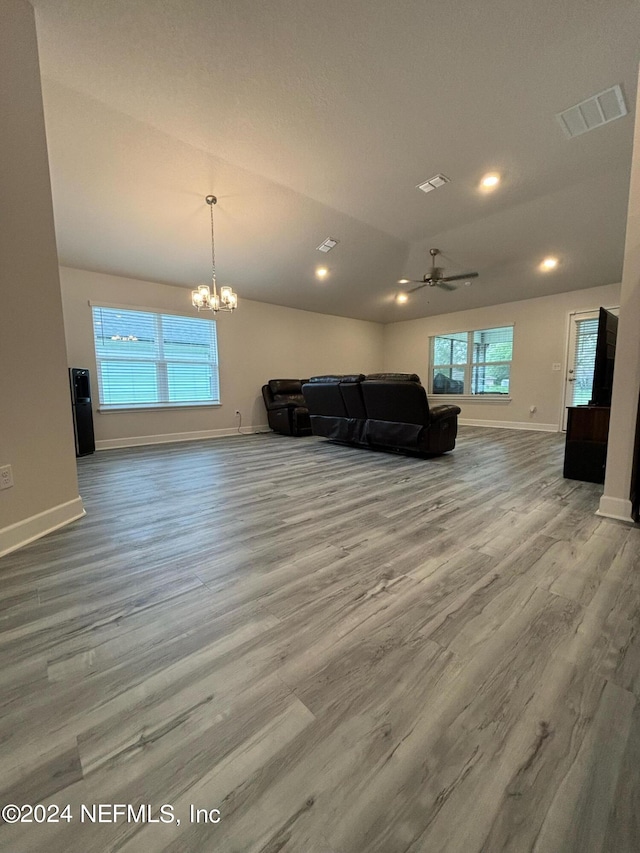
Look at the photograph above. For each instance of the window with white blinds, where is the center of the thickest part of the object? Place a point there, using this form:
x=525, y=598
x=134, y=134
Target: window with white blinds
x=148, y=360
x=584, y=356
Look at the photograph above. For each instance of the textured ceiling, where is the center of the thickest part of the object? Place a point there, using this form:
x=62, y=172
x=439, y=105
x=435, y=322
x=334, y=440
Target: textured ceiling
x=310, y=120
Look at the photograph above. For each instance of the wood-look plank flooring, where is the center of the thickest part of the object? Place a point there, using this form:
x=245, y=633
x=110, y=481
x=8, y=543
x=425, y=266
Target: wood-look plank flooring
x=342, y=651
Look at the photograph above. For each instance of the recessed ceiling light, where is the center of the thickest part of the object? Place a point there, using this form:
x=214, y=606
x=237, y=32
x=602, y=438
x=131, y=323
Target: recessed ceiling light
x=549, y=264
x=490, y=181
x=321, y=272
x=401, y=298
x=403, y=281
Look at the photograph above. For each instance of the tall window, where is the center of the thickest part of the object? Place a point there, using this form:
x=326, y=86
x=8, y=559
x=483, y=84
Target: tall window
x=473, y=363
x=148, y=360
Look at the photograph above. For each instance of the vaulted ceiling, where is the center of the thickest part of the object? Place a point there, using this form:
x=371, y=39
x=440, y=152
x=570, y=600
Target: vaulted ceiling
x=316, y=119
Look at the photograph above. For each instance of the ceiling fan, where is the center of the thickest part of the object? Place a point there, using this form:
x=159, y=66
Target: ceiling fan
x=435, y=277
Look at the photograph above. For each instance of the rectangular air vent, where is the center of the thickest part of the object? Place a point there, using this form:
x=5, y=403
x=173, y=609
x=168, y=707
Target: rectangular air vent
x=433, y=183
x=594, y=112
x=328, y=245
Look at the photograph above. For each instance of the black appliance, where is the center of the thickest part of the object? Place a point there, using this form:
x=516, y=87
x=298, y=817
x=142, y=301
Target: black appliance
x=82, y=413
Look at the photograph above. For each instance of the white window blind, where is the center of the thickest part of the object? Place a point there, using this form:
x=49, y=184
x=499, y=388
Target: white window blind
x=584, y=357
x=146, y=359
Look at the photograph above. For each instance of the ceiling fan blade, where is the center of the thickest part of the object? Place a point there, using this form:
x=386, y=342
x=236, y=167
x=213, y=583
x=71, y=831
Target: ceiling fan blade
x=419, y=287
x=460, y=277
x=442, y=283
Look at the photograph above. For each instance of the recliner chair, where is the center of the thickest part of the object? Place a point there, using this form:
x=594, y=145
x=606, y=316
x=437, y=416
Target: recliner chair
x=287, y=411
x=399, y=415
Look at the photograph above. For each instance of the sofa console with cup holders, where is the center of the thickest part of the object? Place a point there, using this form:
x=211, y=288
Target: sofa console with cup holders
x=383, y=410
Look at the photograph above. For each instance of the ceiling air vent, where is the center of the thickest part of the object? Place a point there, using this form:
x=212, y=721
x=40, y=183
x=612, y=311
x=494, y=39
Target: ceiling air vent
x=594, y=112
x=433, y=183
x=327, y=245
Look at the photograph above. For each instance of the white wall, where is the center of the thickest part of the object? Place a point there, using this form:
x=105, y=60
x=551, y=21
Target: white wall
x=540, y=337
x=261, y=341
x=258, y=342
x=36, y=434
x=615, y=501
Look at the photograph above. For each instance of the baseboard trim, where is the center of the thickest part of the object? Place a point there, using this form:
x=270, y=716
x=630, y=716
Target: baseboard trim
x=618, y=508
x=509, y=425
x=22, y=532
x=170, y=437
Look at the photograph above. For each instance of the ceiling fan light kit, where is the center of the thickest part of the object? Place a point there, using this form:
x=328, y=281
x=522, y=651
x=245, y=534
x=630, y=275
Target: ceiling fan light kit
x=435, y=276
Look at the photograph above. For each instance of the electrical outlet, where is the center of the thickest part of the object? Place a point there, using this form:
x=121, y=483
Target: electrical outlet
x=6, y=477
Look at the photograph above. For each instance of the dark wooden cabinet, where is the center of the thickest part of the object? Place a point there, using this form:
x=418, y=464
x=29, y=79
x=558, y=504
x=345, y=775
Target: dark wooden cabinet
x=585, y=452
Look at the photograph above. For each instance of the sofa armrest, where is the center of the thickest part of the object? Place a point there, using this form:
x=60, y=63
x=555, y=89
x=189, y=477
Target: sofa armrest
x=439, y=413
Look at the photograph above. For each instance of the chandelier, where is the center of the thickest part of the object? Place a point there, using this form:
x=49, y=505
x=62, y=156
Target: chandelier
x=206, y=298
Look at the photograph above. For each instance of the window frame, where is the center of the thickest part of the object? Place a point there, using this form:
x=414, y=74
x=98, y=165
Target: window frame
x=467, y=367
x=160, y=361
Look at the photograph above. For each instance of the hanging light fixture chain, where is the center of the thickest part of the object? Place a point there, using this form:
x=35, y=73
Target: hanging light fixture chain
x=211, y=199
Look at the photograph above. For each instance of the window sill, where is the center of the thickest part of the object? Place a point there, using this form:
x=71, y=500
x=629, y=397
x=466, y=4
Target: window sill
x=152, y=407
x=469, y=398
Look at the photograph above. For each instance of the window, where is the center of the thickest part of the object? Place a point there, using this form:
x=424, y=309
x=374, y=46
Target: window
x=473, y=363
x=584, y=356
x=148, y=360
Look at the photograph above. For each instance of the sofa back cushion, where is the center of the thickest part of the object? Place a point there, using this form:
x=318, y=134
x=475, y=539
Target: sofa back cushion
x=403, y=402
x=279, y=393
x=394, y=377
x=322, y=396
x=285, y=386
x=352, y=396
